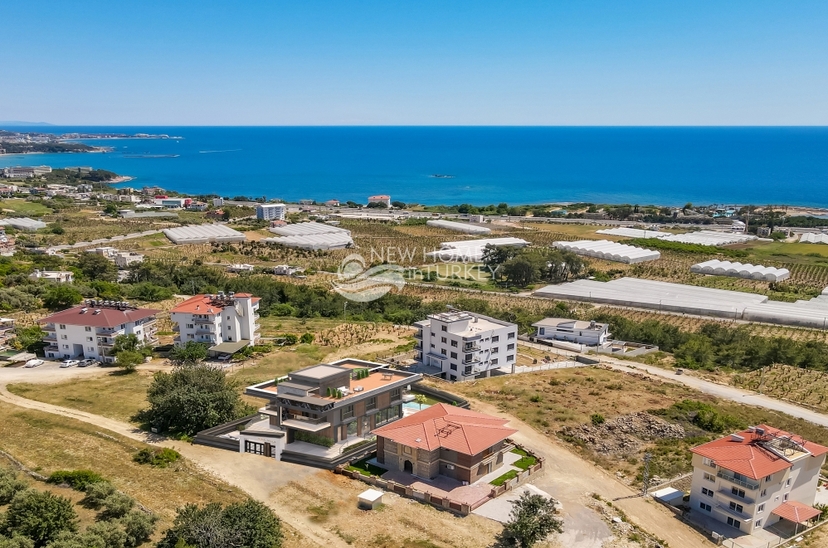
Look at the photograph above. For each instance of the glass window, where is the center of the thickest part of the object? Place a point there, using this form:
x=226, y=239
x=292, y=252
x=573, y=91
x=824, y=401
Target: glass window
x=709, y=477
x=443, y=328
x=62, y=326
x=453, y=366
x=87, y=329
x=352, y=428
x=468, y=357
x=495, y=338
x=396, y=394
x=346, y=412
x=495, y=350
x=371, y=403
x=758, y=523
x=768, y=478
x=467, y=370
x=454, y=344
x=760, y=508
x=494, y=361
x=511, y=346
x=443, y=340
x=454, y=355
x=708, y=462
x=510, y=358
x=511, y=335
x=738, y=492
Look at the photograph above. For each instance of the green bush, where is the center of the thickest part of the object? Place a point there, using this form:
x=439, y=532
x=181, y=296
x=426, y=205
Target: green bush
x=160, y=458
x=504, y=478
x=139, y=527
x=597, y=419
x=117, y=505
x=78, y=480
x=10, y=485
x=314, y=439
x=97, y=493
x=40, y=516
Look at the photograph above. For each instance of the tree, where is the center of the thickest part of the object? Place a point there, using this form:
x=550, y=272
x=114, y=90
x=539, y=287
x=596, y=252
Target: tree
x=29, y=338
x=250, y=524
x=532, y=519
x=398, y=204
x=192, y=352
x=10, y=485
x=61, y=296
x=306, y=338
x=377, y=205
x=12, y=298
x=97, y=267
x=192, y=398
x=16, y=541
x=421, y=400
x=139, y=527
x=111, y=208
x=40, y=515
x=150, y=292
x=495, y=256
x=129, y=360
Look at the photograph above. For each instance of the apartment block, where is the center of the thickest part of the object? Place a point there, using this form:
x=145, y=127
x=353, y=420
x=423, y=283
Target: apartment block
x=466, y=346
x=269, y=212
x=89, y=330
x=760, y=477
x=226, y=322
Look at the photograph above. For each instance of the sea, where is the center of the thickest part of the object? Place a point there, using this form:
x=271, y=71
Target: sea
x=478, y=165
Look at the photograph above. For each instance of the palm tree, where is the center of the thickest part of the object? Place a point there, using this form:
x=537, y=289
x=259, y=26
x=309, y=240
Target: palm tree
x=420, y=399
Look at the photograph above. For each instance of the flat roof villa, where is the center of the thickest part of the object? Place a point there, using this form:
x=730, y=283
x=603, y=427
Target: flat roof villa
x=315, y=414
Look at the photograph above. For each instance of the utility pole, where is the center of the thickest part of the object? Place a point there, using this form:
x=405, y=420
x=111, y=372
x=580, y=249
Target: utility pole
x=646, y=475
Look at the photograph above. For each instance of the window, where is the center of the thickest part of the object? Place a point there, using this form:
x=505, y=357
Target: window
x=467, y=370
x=734, y=523
x=454, y=344
x=707, y=492
x=452, y=377
x=760, y=508
x=468, y=357
x=758, y=523
x=406, y=450
x=709, y=477
x=433, y=334
x=708, y=462
x=346, y=412
x=768, y=478
x=432, y=345
x=190, y=326
x=495, y=338
x=736, y=507
x=510, y=346
x=64, y=337
x=87, y=329
x=396, y=394
x=785, y=497
x=494, y=361
x=788, y=482
x=89, y=339
x=738, y=492
x=443, y=328
x=495, y=350
x=510, y=358
x=66, y=346
x=705, y=507
x=443, y=340
x=443, y=351
x=454, y=355
x=90, y=348
x=763, y=493
x=453, y=367
x=62, y=326
x=511, y=335
x=371, y=403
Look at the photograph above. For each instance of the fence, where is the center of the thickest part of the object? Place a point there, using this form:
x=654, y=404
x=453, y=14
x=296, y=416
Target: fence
x=548, y=366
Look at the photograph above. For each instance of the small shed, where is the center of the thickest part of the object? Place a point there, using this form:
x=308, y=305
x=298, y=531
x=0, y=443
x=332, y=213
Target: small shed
x=669, y=495
x=370, y=499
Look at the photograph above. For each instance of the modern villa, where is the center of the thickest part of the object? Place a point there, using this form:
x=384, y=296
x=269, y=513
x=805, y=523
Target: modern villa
x=757, y=478
x=576, y=331
x=320, y=410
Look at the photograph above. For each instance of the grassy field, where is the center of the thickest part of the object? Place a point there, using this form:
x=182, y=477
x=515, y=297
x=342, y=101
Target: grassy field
x=22, y=207
x=551, y=401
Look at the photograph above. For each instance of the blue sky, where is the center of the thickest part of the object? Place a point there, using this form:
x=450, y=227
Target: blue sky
x=310, y=62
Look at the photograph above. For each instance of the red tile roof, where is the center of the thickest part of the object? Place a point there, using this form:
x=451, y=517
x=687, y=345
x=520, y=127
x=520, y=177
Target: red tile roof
x=795, y=511
x=108, y=317
x=749, y=456
x=202, y=304
x=449, y=427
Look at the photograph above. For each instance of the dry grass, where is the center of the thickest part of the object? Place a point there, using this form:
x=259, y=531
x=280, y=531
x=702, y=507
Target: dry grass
x=802, y=386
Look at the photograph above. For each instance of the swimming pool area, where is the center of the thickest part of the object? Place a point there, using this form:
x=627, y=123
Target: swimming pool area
x=412, y=407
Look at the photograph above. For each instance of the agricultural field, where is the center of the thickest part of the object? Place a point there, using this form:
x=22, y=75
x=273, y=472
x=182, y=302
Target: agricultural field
x=24, y=208
x=802, y=386
x=569, y=404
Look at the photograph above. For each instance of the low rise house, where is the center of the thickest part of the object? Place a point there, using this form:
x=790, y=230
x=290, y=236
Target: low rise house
x=59, y=276
x=324, y=408
x=757, y=478
x=240, y=267
x=332, y=203
x=380, y=199
x=123, y=259
x=563, y=329
x=226, y=322
x=286, y=270
x=89, y=330
x=444, y=440
x=215, y=215
x=464, y=345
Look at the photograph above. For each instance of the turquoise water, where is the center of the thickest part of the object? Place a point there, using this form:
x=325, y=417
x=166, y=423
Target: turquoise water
x=666, y=166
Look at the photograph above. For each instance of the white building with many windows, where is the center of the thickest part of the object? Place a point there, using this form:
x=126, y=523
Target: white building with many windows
x=226, y=322
x=757, y=478
x=270, y=212
x=89, y=330
x=465, y=346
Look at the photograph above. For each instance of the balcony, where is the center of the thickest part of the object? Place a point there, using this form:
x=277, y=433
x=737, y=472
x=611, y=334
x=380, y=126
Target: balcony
x=49, y=327
x=418, y=335
x=52, y=347
x=106, y=343
x=744, y=482
x=176, y=329
x=471, y=347
x=741, y=516
x=725, y=492
x=308, y=424
x=418, y=346
x=473, y=359
x=210, y=321
x=50, y=338
x=205, y=331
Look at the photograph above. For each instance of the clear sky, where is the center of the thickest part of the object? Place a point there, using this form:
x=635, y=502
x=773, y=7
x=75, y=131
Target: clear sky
x=421, y=62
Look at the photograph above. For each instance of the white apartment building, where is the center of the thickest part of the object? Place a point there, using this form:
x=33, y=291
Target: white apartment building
x=465, y=346
x=89, y=330
x=59, y=276
x=269, y=212
x=564, y=329
x=227, y=322
x=757, y=478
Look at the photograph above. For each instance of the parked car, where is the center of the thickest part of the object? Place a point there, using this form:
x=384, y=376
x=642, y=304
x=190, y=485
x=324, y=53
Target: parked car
x=69, y=363
x=34, y=363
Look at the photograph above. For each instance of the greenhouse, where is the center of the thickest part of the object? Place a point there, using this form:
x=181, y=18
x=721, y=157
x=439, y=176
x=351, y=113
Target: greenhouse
x=610, y=251
x=710, y=237
x=716, y=267
x=471, y=250
x=202, y=234
x=632, y=232
x=813, y=238
x=459, y=227
x=315, y=236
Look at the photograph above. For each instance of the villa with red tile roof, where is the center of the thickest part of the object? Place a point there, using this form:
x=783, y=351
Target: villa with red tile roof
x=757, y=478
x=444, y=440
x=226, y=322
x=89, y=330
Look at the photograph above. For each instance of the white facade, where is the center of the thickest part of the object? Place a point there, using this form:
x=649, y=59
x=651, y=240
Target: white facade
x=271, y=211
x=465, y=345
x=563, y=329
x=58, y=276
x=380, y=199
x=125, y=258
x=789, y=472
x=217, y=319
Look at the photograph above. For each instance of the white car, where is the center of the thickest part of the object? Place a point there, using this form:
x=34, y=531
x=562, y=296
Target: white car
x=69, y=363
x=87, y=362
x=34, y=363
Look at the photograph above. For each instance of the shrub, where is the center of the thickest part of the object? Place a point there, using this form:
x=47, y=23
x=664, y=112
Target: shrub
x=160, y=458
x=78, y=480
x=597, y=419
x=314, y=438
x=532, y=519
x=250, y=524
x=97, y=493
x=16, y=541
x=306, y=338
x=139, y=527
x=40, y=515
x=10, y=485
x=117, y=505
